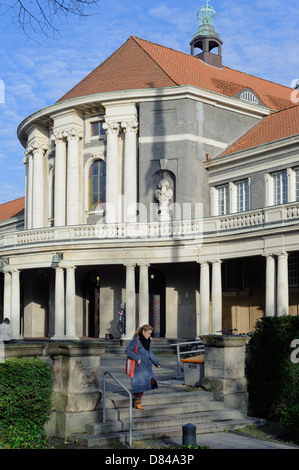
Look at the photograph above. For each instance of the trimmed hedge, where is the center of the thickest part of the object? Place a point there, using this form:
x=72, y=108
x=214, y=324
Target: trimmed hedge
x=25, y=402
x=273, y=379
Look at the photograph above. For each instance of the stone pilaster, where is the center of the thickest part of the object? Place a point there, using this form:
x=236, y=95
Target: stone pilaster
x=112, y=183
x=130, y=169
x=60, y=179
x=72, y=190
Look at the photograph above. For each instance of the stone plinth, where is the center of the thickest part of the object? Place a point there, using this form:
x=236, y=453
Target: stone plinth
x=75, y=370
x=224, y=370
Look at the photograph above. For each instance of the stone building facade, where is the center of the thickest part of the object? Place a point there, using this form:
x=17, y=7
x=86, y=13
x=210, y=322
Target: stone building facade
x=216, y=248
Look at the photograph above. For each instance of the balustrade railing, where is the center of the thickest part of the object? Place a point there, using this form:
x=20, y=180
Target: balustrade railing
x=274, y=216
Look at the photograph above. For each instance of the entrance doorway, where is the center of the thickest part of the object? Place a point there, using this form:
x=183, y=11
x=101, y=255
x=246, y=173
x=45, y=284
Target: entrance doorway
x=91, y=306
x=157, y=302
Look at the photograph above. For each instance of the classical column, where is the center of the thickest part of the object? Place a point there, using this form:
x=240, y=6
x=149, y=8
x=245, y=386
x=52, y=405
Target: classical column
x=29, y=191
x=204, y=298
x=60, y=180
x=130, y=301
x=72, y=191
x=216, y=297
x=38, y=185
x=143, y=295
x=270, y=286
x=15, y=305
x=7, y=294
x=282, y=285
x=112, y=130
x=70, y=303
x=59, y=303
x=130, y=169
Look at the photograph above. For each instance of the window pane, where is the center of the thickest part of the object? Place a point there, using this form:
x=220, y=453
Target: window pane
x=230, y=275
x=293, y=269
x=94, y=128
x=223, y=200
x=280, y=187
x=97, y=185
x=242, y=196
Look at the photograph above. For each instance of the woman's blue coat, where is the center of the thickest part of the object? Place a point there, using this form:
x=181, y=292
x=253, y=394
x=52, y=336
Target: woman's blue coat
x=141, y=381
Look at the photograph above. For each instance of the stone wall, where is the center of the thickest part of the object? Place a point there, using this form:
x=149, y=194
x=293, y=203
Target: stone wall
x=224, y=369
x=75, y=370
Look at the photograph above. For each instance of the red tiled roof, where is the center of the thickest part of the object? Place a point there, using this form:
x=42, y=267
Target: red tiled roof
x=12, y=208
x=140, y=64
x=276, y=126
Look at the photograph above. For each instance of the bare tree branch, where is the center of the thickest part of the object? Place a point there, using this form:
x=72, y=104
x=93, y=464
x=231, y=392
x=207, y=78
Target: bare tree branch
x=40, y=16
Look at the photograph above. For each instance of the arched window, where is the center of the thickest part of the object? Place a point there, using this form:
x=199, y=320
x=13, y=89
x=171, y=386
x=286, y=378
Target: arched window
x=97, y=185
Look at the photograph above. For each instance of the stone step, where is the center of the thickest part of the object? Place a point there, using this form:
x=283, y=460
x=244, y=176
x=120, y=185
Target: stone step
x=159, y=345
x=114, y=400
x=157, y=433
x=155, y=422
x=121, y=413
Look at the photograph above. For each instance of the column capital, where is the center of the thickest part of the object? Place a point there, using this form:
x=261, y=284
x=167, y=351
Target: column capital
x=130, y=264
x=69, y=266
x=203, y=262
x=111, y=127
x=58, y=136
x=74, y=134
x=143, y=264
x=130, y=126
x=216, y=261
x=36, y=146
x=59, y=268
x=282, y=254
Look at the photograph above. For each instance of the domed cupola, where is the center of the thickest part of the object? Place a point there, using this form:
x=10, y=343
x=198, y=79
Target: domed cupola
x=206, y=37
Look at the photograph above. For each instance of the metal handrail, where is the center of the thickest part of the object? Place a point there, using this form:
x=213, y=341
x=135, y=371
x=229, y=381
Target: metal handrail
x=130, y=399
x=180, y=353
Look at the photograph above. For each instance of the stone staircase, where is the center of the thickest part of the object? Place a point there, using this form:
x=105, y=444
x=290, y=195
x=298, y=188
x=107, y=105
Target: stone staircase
x=159, y=345
x=164, y=415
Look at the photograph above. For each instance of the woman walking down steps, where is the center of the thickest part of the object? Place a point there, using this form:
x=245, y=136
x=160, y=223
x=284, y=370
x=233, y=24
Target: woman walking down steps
x=144, y=378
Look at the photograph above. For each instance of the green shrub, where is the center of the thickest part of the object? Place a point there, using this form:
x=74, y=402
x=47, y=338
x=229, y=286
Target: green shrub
x=25, y=401
x=273, y=379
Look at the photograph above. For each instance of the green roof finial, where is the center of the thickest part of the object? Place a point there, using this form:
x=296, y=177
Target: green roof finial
x=206, y=14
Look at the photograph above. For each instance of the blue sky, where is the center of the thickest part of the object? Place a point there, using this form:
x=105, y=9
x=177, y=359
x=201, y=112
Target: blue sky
x=260, y=38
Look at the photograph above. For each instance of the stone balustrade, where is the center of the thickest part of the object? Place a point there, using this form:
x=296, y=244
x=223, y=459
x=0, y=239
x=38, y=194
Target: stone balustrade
x=262, y=219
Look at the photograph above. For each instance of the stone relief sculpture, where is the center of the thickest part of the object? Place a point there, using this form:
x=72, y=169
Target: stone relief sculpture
x=163, y=195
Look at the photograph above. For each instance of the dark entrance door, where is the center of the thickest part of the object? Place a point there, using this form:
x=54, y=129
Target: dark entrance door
x=157, y=302
x=91, y=316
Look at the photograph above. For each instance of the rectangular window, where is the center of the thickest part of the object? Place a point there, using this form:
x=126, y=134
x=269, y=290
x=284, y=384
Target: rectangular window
x=223, y=200
x=293, y=268
x=96, y=128
x=245, y=274
x=242, y=196
x=280, y=188
x=230, y=275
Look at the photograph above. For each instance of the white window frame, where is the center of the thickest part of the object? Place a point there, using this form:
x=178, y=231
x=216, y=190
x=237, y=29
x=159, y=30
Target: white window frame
x=226, y=199
x=88, y=122
x=245, y=184
x=280, y=192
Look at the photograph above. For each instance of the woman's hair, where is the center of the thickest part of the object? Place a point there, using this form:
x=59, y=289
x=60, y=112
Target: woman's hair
x=143, y=328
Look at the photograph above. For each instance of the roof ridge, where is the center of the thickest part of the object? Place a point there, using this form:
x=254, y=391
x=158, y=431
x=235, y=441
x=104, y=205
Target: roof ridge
x=135, y=38
x=171, y=60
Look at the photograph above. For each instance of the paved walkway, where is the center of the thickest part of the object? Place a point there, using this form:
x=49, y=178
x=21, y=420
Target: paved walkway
x=167, y=377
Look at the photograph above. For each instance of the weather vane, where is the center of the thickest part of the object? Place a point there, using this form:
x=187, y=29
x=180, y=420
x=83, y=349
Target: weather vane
x=206, y=14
